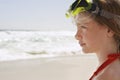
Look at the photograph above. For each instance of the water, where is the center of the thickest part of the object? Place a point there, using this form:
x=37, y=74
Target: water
x=31, y=44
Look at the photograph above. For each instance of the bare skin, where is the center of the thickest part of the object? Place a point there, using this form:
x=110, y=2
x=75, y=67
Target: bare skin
x=98, y=39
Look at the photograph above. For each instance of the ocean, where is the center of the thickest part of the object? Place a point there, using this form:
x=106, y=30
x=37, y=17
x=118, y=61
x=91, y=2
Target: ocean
x=16, y=45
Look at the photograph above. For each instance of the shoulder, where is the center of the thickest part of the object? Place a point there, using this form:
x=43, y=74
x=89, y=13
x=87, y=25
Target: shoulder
x=110, y=73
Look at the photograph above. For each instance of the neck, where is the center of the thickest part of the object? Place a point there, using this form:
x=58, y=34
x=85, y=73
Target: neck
x=102, y=57
x=103, y=54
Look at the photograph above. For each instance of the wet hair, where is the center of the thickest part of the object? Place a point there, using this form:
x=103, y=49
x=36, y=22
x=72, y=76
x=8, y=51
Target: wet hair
x=113, y=23
x=112, y=6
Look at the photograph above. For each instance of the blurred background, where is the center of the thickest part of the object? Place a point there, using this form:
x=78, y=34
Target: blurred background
x=36, y=28
x=34, y=15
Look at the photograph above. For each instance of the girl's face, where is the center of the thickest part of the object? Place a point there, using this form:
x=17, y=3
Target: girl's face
x=91, y=36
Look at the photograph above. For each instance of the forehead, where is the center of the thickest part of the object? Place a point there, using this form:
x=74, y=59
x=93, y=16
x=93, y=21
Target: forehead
x=87, y=22
x=83, y=18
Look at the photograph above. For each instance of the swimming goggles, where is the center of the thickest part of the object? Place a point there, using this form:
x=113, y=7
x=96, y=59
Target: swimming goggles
x=91, y=6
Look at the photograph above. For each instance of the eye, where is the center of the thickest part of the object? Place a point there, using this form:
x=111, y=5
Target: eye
x=84, y=27
x=81, y=26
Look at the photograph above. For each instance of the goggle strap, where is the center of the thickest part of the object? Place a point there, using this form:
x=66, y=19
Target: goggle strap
x=107, y=14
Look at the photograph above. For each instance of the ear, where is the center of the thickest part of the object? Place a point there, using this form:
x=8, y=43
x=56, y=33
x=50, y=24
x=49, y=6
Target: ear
x=110, y=33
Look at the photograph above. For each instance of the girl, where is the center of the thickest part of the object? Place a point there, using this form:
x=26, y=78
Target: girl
x=98, y=31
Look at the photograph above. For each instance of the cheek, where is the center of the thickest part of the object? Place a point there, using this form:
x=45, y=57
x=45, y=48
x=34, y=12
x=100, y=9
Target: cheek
x=88, y=36
x=92, y=38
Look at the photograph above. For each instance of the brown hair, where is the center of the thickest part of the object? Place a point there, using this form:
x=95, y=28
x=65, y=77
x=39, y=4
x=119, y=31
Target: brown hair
x=111, y=21
x=112, y=6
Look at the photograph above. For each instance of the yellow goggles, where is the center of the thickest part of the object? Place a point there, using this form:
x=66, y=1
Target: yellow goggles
x=79, y=6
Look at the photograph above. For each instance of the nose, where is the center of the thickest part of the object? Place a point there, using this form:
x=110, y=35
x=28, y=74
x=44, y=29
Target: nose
x=78, y=36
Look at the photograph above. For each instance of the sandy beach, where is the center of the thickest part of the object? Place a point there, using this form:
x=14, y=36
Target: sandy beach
x=78, y=67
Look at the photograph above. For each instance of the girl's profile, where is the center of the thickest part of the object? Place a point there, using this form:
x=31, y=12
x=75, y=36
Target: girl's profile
x=98, y=31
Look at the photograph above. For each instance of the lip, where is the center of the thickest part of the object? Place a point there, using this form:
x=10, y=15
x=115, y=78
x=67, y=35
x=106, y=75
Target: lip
x=81, y=44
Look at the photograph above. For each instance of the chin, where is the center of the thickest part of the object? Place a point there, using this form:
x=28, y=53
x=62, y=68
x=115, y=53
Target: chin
x=86, y=51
